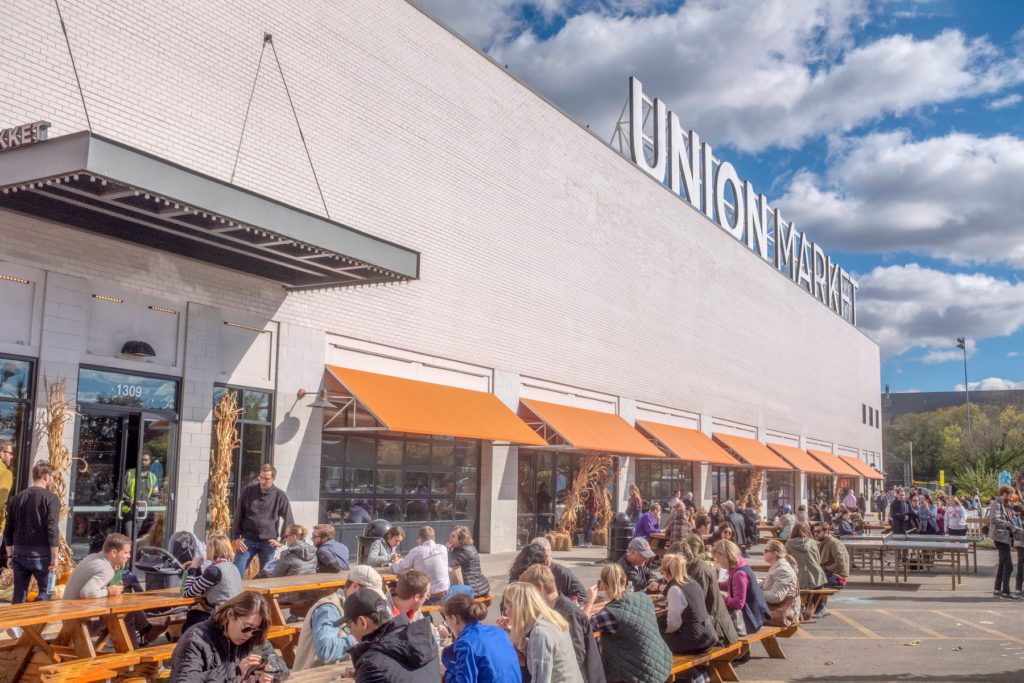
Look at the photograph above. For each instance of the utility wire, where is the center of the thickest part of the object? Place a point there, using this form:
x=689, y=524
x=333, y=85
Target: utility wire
x=74, y=68
x=267, y=38
x=238, y=152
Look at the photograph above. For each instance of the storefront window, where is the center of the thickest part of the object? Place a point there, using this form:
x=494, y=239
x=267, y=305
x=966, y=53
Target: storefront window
x=16, y=411
x=845, y=484
x=819, y=488
x=400, y=478
x=544, y=482
x=658, y=479
x=780, y=491
x=255, y=429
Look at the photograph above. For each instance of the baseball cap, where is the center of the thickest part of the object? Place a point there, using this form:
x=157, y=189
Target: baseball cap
x=367, y=577
x=365, y=602
x=641, y=546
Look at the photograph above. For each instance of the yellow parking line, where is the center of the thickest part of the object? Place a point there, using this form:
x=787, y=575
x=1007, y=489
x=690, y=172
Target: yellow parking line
x=802, y=633
x=914, y=625
x=980, y=627
x=863, y=629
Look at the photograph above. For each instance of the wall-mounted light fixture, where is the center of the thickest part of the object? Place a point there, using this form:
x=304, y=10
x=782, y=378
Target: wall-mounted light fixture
x=321, y=398
x=137, y=349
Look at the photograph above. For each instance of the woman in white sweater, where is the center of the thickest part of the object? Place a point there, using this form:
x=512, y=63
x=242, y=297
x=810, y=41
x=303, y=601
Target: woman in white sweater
x=782, y=581
x=542, y=635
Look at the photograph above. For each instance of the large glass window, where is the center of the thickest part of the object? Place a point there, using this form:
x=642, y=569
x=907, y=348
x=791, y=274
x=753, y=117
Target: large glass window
x=658, y=479
x=255, y=431
x=780, y=491
x=400, y=478
x=819, y=488
x=15, y=412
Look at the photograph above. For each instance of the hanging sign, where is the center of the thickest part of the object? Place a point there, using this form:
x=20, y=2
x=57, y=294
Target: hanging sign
x=26, y=134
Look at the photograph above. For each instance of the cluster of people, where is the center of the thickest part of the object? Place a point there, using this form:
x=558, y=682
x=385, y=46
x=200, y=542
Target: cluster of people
x=917, y=512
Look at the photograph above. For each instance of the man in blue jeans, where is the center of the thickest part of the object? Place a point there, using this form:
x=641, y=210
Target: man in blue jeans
x=257, y=529
x=31, y=533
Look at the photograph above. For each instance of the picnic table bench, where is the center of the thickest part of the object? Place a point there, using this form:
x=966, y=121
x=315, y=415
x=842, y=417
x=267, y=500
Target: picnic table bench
x=768, y=636
x=717, y=661
x=813, y=598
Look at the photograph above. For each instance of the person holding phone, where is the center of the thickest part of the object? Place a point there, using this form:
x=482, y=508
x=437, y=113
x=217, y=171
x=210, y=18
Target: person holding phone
x=231, y=646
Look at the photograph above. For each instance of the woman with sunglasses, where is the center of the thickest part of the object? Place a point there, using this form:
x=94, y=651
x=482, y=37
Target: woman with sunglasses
x=230, y=646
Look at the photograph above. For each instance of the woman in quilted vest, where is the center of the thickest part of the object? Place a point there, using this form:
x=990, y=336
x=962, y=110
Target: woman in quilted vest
x=632, y=649
x=688, y=629
x=542, y=635
x=743, y=594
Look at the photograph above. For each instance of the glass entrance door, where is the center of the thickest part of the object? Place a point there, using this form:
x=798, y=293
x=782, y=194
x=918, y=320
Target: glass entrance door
x=119, y=481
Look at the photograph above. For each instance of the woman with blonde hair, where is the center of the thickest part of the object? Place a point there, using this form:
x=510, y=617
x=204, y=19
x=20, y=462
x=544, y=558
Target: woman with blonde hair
x=743, y=594
x=689, y=629
x=632, y=649
x=217, y=583
x=781, y=587
x=462, y=554
x=542, y=635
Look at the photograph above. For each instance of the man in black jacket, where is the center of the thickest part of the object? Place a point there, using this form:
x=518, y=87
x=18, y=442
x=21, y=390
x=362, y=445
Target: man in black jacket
x=31, y=534
x=900, y=514
x=258, y=528
x=634, y=564
x=568, y=584
x=389, y=650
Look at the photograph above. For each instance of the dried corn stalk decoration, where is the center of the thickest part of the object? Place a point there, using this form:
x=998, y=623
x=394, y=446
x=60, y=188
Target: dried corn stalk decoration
x=56, y=416
x=750, y=497
x=590, y=476
x=226, y=414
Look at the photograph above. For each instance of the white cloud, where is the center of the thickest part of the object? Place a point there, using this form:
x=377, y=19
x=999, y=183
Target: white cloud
x=752, y=74
x=953, y=197
x=1006, y=102
x=946, y=355
x=1013, y=354
x=909, y=307
x=991, y=384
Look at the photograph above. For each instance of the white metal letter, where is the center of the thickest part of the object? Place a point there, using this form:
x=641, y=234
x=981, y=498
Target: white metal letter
x=684, y=162
x=727, y=174
x=756, y=214
x=636, y=132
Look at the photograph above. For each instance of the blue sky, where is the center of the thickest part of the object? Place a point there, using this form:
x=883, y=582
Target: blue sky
x=890, y=131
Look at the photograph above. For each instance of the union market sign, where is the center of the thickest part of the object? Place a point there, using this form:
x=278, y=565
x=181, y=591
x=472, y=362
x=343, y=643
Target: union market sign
x=678, y=158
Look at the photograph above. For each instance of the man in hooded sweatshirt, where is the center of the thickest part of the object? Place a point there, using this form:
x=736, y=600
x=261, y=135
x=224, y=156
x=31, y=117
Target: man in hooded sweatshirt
x=389, y=650
x=331, y=555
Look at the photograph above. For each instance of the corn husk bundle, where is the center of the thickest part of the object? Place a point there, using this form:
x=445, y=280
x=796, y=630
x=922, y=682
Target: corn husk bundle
x=592, y=474
x=750, y=497
x=604, y=517
x=226, y=414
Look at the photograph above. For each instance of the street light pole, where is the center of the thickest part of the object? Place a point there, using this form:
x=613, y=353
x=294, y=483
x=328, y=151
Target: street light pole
x=961, y=343
x=911, y=465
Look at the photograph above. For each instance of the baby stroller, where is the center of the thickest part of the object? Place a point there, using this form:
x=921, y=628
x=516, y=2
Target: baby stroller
x=163, y=568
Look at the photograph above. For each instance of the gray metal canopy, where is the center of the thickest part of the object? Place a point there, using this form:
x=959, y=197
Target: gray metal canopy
x=92, y=183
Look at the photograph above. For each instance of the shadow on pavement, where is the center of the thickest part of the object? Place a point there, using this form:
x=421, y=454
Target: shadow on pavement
x=1004, y=677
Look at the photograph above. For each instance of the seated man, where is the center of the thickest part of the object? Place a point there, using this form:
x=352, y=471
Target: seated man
x=100, y=575
x=331, y=555
x=634, y=563
x=430, y=558
x=392, y=650
x=411, y=592
x=648, y=523
x=835, y=560
x=568, y=585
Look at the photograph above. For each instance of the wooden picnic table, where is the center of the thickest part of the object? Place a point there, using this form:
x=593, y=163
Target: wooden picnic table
x=33, y=616
x=332, y=673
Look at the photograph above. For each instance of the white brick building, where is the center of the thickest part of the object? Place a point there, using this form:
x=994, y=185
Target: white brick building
x=550, y=267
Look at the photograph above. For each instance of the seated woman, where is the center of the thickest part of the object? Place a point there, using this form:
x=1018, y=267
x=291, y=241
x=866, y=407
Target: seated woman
x=743, y=595
x=230, y=645
x=216, y=584
x=478, y=652
x=382, y=551
x=803, y=548
x=632, y=649
x=542, y=635
x=700, y=572
x=781, y=585
x=688, y=628
x=463, y=554
x=725, y=532
x=297, y=558
x=785, y=521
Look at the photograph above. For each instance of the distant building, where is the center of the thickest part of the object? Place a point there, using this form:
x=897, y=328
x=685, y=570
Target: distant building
x=905, y=403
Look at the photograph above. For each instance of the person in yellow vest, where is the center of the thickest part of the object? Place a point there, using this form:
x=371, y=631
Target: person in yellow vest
x=6, y=478
x=149, y=488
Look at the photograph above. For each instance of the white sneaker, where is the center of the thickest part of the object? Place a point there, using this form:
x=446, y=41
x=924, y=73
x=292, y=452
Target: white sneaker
x=15, y=632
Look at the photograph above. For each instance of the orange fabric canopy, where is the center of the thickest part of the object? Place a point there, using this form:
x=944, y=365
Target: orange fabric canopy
x=865, y=469
x=407, y=405
x=592, y=431
x=753, y=451
x=687, y=444
x=834, y=463
x=798, y=458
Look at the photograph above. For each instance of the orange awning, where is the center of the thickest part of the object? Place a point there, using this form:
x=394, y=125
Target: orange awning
x=752, y=451
x=865, y=469
x=798, y=458
x=687, y=444
x=407, y=405
x=589, y=430
x=834, y=463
